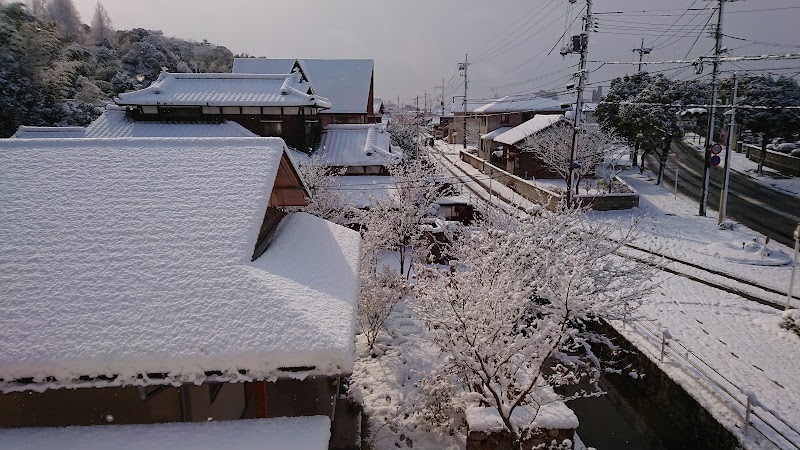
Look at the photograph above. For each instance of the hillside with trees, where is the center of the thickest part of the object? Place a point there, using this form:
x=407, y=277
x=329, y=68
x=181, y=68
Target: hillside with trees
x=56, y=70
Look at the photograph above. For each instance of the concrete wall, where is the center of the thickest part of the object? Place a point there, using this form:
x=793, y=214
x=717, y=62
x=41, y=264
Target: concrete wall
x=502, y=440
x=654, y=393
x=783, y=163
x=545, y=197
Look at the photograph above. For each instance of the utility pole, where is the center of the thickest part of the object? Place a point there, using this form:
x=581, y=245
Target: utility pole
x=463, y=66
x=417, y=123
x=579, y=43
x=714, y=87
x=642, y=51
x=723, y=197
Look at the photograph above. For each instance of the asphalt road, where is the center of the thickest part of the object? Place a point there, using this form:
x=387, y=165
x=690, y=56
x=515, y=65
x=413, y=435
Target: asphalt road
x=759, y=208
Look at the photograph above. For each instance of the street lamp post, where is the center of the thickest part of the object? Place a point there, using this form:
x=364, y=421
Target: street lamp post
x=794, y=265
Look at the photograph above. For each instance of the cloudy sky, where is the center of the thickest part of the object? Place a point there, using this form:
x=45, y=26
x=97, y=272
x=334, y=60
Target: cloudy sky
x=416, y=43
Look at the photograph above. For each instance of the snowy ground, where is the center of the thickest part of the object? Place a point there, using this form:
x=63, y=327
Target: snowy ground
x=723, y=334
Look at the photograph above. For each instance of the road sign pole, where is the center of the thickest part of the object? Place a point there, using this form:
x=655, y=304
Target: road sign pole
x=794, y=266
x=723, y=199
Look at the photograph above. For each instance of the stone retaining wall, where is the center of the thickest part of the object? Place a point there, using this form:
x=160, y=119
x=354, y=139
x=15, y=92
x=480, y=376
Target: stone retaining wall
x=785, y=164
x=549, y=198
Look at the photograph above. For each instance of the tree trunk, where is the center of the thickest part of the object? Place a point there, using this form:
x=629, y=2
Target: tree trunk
x=662, y=161
x=763, y=156
x=641, y=166
x=635, y=154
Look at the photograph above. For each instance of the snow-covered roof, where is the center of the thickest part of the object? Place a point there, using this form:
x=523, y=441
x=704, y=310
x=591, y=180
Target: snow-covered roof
x=472, y=105
x=520, y=103
x=357, y=145
x=538, y=123
x=362, y=191
x=114, y=123
x=493, y=134
x=377, y=104
x=124, y=257
x=225, y=89
x=27, y=132
x=280, y=433
x=346, y=82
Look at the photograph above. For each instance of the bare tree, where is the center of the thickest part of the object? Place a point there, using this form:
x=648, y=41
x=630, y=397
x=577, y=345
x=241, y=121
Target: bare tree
x=518, y=300
x=101, y=24
x=395, y=223
x=553, y=147
x=37, y=8
x=64, y=12
x=327, y=199
x=381, y=291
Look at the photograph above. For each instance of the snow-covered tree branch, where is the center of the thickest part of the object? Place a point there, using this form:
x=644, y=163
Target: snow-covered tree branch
x=553, y=146
x=516, y=300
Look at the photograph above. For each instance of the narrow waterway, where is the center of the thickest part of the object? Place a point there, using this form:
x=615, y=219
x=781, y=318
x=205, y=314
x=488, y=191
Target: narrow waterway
x=610, y=422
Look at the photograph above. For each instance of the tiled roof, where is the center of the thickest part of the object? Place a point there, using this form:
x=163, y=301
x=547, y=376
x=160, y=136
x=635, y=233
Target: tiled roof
x=114, y=124
x=356, y=145
x=345, y=82
x=225, y=89
x=520, y=103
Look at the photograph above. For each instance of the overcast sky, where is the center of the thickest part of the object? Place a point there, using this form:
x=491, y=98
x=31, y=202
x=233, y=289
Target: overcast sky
x=416, y=43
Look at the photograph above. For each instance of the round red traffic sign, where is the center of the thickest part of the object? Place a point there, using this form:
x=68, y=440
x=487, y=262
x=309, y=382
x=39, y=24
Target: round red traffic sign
x=716, y=149
x=715, y=160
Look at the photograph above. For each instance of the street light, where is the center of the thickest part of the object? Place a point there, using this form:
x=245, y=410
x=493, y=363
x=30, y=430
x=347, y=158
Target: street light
x=794, y=265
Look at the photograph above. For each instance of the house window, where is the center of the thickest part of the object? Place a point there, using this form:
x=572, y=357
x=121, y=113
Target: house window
x=272, y=128
x=503, y=118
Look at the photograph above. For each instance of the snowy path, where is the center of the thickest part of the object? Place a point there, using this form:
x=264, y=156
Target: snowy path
x=732, y=343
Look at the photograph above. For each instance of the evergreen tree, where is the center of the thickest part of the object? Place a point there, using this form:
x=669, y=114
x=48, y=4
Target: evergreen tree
x=64, y=13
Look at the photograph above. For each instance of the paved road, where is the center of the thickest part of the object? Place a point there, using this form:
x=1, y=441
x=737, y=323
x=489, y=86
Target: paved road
x=762, y=209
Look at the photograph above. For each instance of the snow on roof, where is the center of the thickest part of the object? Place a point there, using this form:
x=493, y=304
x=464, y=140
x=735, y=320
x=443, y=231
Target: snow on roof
x=124, y=257
x=225, y=89
x=538, y=123
x=26, y=132
x=493, y=134
x=114, y=123
x=472, y=105
x=357, y=145
x=362, y=191
x=346, y=82
x=280, y=433
x=377, y=103
x=263, y=65
x=520, y=103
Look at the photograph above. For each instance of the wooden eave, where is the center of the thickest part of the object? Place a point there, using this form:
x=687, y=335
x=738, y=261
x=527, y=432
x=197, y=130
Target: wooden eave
x=289, y=188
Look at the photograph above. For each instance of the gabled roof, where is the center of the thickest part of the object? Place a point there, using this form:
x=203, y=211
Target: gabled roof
x=472, y=105
x=525, y=129
x=225, y=89
x=520, y=103
x=377, y=104
x=128, y=257
x=357, y=145
x=493, y=134
x=346, y=82
x=114, y=124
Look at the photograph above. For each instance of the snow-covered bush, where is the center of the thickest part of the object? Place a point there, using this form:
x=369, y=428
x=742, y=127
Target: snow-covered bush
x=380, y=293
x=520, y=300
x=791, y=320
